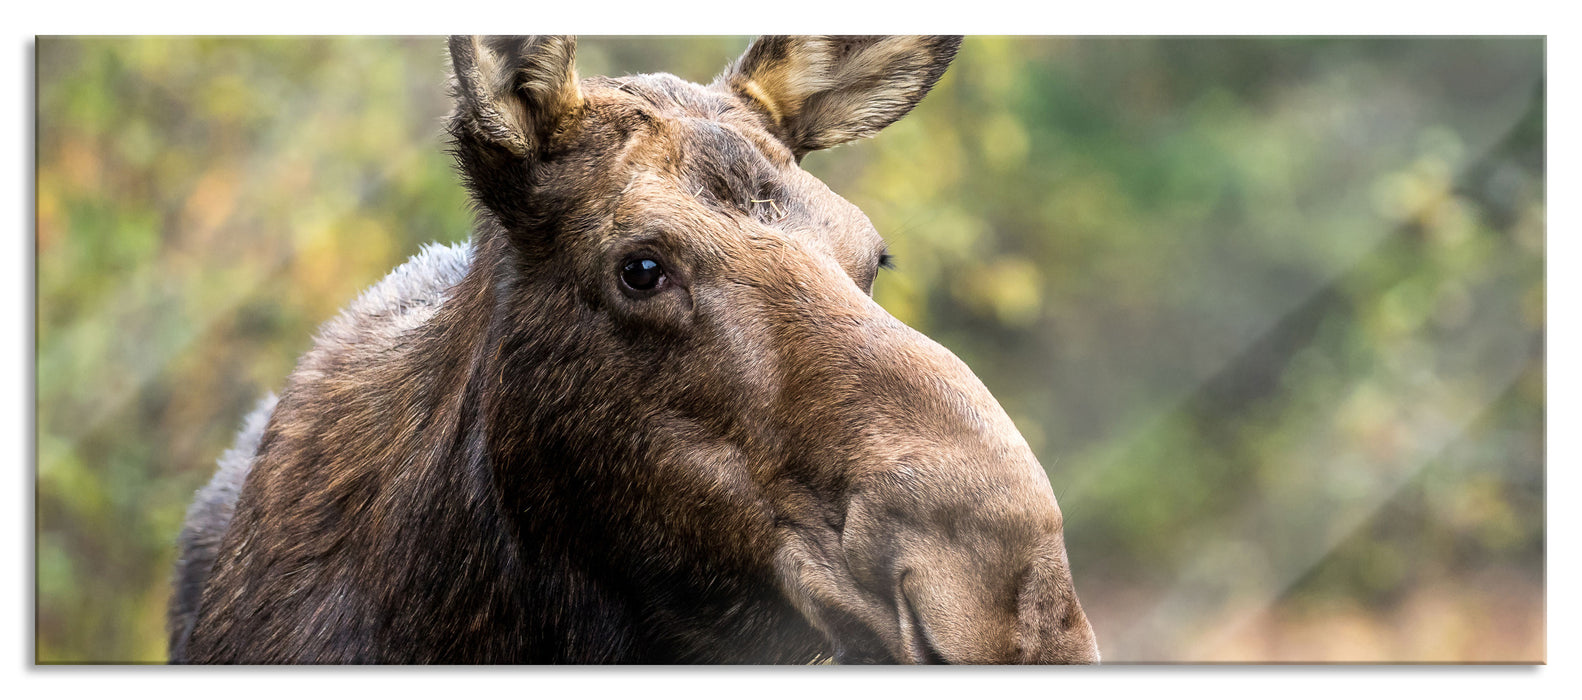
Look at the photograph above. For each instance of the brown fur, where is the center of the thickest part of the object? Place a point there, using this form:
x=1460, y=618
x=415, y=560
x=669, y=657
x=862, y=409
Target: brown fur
x=501, y=454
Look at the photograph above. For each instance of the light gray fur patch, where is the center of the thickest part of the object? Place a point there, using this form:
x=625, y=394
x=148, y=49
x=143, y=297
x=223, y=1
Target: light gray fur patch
x=400, y=302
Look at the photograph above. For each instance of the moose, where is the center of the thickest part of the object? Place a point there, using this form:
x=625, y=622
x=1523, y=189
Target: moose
x=648, y=413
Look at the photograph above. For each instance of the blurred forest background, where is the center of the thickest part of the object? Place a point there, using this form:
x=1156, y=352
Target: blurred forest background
x=1270, y=311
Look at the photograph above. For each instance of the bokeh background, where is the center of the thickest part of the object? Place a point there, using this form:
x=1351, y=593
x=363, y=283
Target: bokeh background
x=1270, y=311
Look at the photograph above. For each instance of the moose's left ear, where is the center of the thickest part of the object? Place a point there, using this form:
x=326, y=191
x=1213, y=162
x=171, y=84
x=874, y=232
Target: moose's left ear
x=513, y=94
x=513, y=91
x=822, y=91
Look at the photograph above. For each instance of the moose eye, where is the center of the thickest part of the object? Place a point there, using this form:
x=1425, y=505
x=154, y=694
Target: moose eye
x=642, y=275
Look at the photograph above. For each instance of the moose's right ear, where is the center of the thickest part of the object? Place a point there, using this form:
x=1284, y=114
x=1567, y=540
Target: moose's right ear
x=512, y=91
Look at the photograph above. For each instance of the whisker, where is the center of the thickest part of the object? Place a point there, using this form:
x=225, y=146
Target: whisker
x=771, y=203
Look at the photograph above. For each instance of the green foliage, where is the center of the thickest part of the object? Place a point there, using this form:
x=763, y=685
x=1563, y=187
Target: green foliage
x=1270, y=311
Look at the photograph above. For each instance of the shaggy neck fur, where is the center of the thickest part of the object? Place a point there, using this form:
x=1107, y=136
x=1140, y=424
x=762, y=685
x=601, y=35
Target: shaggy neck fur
x=424, y=502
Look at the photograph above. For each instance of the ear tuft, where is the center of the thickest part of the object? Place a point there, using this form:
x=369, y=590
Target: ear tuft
x=822, y=91
x=513, y=91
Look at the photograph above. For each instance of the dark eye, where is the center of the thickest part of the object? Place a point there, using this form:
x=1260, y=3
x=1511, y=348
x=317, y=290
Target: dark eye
x=642, y=274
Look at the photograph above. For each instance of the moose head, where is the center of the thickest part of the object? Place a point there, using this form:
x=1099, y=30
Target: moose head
x=720, y=361
x=666, y=374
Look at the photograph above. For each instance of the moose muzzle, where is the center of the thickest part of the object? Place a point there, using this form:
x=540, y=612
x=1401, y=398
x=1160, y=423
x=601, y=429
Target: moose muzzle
x=936, y=537
x=968, y=573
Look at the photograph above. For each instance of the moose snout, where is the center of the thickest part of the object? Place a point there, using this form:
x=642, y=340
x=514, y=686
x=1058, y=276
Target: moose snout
x=984, y=582
x=951, y=547
x=959, y=610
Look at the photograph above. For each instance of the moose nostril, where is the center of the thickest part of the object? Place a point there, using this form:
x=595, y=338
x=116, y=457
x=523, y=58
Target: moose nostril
x=914, y=634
